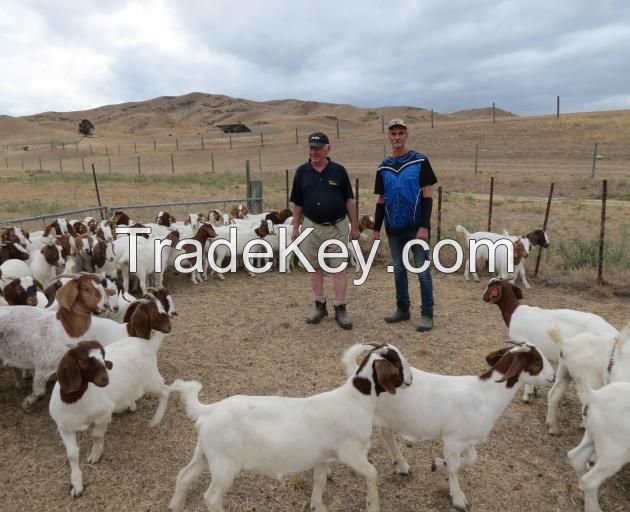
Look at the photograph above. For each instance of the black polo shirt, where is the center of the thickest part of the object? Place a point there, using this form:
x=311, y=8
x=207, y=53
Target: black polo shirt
x=322, y=195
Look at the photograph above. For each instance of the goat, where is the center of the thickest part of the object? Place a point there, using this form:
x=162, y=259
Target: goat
x=12, y=251
x=33, y=338
x=61, y=227
x=74, y=405
x=607, y=431
x=164, y=219
x=528, y=323
x=276, y=435
x=22, y=291
x=44, y=263
x=459, y=410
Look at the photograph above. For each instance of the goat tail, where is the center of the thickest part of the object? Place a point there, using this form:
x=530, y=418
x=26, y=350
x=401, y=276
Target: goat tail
x=349, y=358
x=189, y=391
x=461, y=229
x=554, y=334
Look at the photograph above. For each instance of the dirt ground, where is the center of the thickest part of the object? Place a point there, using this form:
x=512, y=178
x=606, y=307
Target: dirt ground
x=247, y=336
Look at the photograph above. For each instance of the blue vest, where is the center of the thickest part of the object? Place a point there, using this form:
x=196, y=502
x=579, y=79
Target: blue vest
x=401, y=180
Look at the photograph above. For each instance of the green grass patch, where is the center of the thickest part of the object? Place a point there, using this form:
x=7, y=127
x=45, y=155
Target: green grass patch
x=585, y=253
x=33, y=207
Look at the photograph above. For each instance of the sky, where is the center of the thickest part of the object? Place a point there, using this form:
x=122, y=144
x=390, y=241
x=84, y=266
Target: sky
x=446, y=55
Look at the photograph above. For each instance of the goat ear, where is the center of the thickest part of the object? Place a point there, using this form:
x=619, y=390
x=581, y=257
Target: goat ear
x=386, y=374
x=68, y=293
x=493, y=357
x=139, y=325
x=519, y=363
x=108, y=364
x=517, y=292
x=130, y=311
x=69, y=374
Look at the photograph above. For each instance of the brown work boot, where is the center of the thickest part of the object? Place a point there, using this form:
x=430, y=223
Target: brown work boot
x=318, y=312
x=342, y=317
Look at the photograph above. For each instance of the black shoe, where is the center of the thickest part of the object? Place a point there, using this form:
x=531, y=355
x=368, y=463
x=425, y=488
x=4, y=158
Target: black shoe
x=425, y=324
x=319, y=312
x=398, y=316
x=342, y=317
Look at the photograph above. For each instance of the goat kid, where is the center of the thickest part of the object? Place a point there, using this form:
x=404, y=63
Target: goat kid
x=276, y=436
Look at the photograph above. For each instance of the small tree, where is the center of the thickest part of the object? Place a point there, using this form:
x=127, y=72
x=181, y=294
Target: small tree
x=86, y=127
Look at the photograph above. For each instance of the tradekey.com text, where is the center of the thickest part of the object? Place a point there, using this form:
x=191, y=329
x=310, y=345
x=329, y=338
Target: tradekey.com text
x=260, y=249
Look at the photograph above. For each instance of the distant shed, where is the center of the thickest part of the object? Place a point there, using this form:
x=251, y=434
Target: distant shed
x=233, y=128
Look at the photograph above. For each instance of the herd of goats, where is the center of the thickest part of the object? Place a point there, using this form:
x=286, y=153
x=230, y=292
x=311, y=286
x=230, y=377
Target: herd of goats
x=66, y=310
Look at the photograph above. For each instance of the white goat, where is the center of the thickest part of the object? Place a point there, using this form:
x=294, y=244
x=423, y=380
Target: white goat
x=459, y=410
x=276, y=435
x=44, y=263
x=75, y=405
x=34, y=338
x=531, y=324
x=606, y=439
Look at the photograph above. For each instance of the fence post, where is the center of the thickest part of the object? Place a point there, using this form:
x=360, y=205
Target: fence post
x=337, y=127
x=600, y=264
x=22, y=160
x=139, y=170
x=296, y=139
x=557, y=107
x=6, y=161
x=382, y=123
x=262, y=140
x=286, y=180
x=212, y=160
x=118, y=149
x=60, y=166
x=594, y=160
x=63, y=146
x=490, y=205
x=230, y=141
x=544, y=227
x=172, y=164
x=431, y=118
x=82, y=164
x=356, y=195
x=259, y=160
x=109, y=165
x=493, y=113
x=98, y=196
x=203, y=148
x=247, y=184
x=135, y=147
x=106, y=150
x=40, y=163
x=439, y=214
x=476, y=156
x=154, y=146
x=76, y=147
x=177, y=144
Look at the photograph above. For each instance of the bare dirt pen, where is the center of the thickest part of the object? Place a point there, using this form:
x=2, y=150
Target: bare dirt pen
x=247, y=336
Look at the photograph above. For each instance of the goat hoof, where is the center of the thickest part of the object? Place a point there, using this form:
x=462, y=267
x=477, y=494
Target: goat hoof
x=76, y=492
x=553, y=430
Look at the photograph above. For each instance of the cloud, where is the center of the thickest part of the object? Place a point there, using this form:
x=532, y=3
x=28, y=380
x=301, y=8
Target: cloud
x=469, y=53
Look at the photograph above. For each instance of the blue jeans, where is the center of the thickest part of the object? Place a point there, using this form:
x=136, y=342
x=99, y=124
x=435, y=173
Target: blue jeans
x=397, y=242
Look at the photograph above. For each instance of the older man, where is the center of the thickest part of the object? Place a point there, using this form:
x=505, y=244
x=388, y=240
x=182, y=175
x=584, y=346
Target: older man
x=323, y=197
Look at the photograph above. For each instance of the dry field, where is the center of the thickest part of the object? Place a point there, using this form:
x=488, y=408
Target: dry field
x=246, y=335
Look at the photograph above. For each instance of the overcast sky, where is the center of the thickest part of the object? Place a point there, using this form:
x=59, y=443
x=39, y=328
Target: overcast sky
x=446, y=55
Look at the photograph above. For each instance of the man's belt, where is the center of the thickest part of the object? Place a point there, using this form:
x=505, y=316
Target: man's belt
x=333, y=222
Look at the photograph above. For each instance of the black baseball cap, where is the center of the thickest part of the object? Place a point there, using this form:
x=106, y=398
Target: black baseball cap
x=318, y=139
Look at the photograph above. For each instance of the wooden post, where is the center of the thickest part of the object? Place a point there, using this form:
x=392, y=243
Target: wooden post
x=172, y=164
x=154, y=146
x=544, y=227
x=262, y=140
x=356, y=196
x=82, y=164
x=109, y=165
x=106, y=151
x=594, y=160
x=6, y=161
x=476, y=156
x=493, y=113
x=439, y=214
x=60, y=165
x=118, y=149
x=22, y=160
x=600, y=264
x=337, y=127
x=431, y=118
x=40, y=164
x=382, y=123
x=177, y=144
x=558, y=107
x=63, y=146
x=286, y=180
x=139, y=169
x=230, y=141
x=76, y=147
x=296, y=139
x=212, y=160
x=203, y=148
x=247, y=183
x=490, y=205
x=259, y=161
x=135, y=147
x=98, y=196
